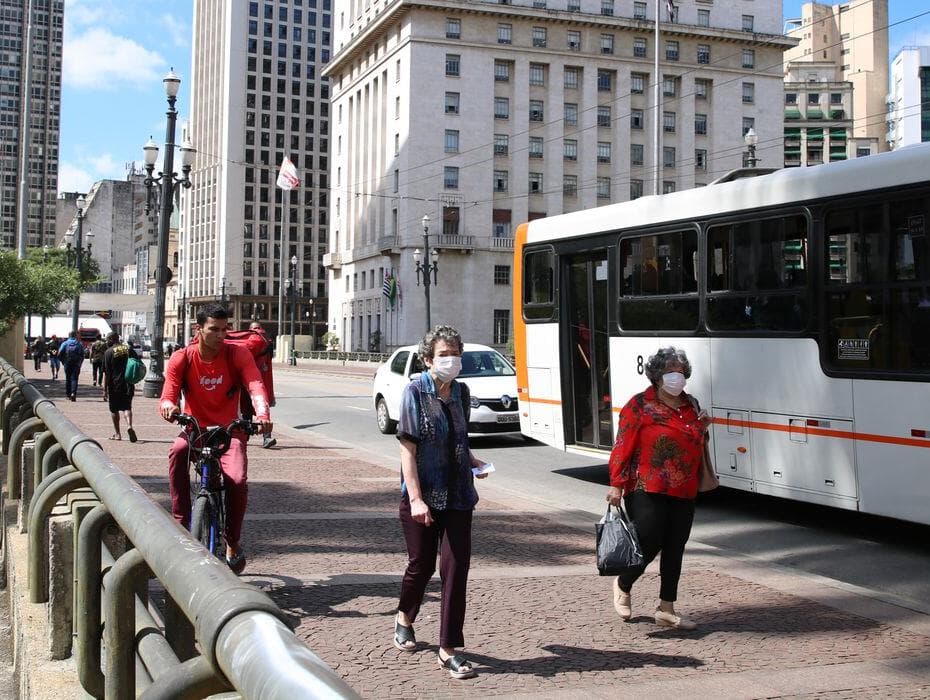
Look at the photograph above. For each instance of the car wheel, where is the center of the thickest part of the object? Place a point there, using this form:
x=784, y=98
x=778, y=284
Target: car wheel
x=385, y=424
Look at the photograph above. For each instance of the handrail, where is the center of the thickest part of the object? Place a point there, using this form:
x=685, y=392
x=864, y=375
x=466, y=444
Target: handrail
x=220, y=605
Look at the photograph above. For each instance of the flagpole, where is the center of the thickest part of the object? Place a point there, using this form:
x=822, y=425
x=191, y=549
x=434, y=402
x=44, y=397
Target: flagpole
x=655, y=99
x=282, y=262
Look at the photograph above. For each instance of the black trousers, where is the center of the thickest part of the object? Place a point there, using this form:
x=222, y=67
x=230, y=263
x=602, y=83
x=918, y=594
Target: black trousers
x=450, y=536
x=663, y=524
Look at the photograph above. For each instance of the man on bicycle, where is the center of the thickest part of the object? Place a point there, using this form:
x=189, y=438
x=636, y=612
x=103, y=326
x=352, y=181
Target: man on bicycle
x=210, y=373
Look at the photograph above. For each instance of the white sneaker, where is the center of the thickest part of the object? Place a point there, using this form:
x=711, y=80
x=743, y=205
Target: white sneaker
x=623, y=602
x=670, y=619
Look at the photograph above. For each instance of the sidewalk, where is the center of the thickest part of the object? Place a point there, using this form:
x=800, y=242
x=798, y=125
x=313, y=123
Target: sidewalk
x=323, y=539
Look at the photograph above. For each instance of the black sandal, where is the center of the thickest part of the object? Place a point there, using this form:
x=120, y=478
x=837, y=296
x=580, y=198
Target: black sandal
x=403, y=635
x=457, y=666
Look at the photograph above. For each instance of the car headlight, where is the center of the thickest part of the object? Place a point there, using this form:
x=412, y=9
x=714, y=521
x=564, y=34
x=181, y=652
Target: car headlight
x=475, y=402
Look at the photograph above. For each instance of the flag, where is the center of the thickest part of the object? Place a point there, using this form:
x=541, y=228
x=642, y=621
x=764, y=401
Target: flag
x=389, y=288
x=670, y=6
x=288, y=178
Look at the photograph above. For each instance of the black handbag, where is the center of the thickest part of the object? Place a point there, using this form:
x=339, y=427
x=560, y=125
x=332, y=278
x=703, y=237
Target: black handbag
x=618, y=550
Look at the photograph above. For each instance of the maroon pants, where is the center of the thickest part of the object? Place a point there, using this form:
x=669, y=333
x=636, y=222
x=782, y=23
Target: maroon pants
x=450, y=536
x=234, y=465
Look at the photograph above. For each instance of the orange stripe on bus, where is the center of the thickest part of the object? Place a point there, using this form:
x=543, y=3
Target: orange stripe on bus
x=519, y=325
x=533, y=399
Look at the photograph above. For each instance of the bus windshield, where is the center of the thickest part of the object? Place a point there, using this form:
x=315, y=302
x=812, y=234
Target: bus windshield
x=485, y=363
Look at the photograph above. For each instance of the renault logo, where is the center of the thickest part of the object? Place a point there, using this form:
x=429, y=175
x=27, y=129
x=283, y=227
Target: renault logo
x=506, y=401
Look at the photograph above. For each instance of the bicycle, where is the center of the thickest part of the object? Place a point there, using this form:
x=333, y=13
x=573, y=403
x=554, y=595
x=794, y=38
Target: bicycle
x=208, y=511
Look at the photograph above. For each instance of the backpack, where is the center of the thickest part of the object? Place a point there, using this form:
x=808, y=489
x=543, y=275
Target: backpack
x=135, y=370
x=71, y=353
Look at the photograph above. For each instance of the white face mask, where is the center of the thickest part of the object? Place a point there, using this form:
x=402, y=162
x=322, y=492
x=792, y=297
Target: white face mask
x=447, y=368
x=673, y=383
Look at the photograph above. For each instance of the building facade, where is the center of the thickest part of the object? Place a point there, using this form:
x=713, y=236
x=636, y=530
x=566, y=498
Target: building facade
x=909, y=97
x=846, y=44
x=257, y=96
x=30, y=65
x=485, y=116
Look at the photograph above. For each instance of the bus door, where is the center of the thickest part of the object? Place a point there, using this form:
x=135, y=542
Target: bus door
x=589, y=410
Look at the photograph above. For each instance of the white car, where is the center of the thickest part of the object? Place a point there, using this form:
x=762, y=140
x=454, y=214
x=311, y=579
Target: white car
x=491, y=379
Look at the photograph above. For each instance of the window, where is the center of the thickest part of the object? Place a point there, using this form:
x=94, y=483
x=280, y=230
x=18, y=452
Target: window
x=836, y=98
x=636, y=189
x=538, y=285
x=749, y=58
x=453, y=28
x=862, y=152
x=703, y=18
x=501, y=108
x=701, y=88
x=639, y=10
x=607, y=7
x=638, y=83
x=668, y=156
x=669, y=88
x=536, y=147
x=570, y=114
x=756, y=275
x=668, y=122
x=501, y=71
x=539, y=37
x=749, y=93
x=537, y=113
x=570, y=185
x=636, y=154
x=504, y=33
x=607, y=43
x=636, y=119
x=791, y=98
x=399, y=363
x=639, y=47
x=603, y=115
x=396, y=144
x=603, y=151
x=703, y=53
x=570, y=149
x=452, y=64
x=700, y=124
x=877, y=274
x=668, y=187
x=501, y=144
x=500, y=220
x=700, y=159
x=571, y=76
x=501, y=180
x=537, y=74
x=748, y=123
x=671, y=50
x=574, y=40
x=452, y=141
x=813, y=98
x=603, y=188
x=501, y=326
x=604, y=80
x=658, y=281
x=748, y=23
x=536, y=183
x=502, y=275
x=452, y=103
x=450, y=177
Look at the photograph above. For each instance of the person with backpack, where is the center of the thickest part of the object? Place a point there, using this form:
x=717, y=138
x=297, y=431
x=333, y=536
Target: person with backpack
x=118, y=388
x=210, y=373
x=261, y=348
x=54, y=362
x=97, y=349
x=71, y=355
x=38, y=352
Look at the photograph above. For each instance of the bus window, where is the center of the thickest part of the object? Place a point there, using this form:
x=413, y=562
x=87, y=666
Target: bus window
x=658, y=284
x=538, y=285
x=757, y=275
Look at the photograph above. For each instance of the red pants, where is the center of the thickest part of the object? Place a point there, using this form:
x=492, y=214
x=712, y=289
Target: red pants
x=234, y=465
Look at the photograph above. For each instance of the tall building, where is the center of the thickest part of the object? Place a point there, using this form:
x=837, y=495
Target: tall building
x=909, y=99
x=485, y=115
x=30, y=64
x=257, y=96
x=847, y=43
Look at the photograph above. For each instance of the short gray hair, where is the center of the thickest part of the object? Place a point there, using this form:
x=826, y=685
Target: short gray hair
x=657, y=364
x=446, y=333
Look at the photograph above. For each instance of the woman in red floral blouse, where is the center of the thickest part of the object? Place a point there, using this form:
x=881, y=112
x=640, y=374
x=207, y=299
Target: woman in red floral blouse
x=654, y=467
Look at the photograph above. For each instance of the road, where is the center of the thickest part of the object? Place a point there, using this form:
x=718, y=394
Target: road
x=888, y=557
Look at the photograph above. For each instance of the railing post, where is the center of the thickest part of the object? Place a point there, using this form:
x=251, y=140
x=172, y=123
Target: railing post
x=89, y=579
x=42, y=505
x=14, y=458
x=122, y=583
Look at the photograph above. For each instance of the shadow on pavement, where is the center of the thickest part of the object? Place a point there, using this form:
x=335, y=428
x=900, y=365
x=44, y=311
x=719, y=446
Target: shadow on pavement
x=579, y=660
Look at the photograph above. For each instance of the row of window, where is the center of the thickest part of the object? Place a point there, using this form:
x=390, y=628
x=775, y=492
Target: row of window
x=297, y=16
x=296, y=53
x=813, y=98
x=296, y=33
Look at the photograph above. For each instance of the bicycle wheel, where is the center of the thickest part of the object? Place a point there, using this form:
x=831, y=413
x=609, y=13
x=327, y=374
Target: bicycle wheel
x=205, y=525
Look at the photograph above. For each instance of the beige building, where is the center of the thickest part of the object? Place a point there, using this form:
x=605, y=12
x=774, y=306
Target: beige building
x=487, y=115
x=851, y=37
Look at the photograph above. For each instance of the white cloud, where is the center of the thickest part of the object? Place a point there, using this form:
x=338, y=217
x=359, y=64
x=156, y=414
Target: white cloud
x=85, y=13
x=98, y=59
x=104, y=165
x=179, y=32
x=73, y=178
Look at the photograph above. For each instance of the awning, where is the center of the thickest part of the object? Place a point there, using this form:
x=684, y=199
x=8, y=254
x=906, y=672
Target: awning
x=792, y=113
x=792, y=131
x=815, y=134
x=792, y=151
x=814, y=113
x=838, y=133
x=841, y=155
x=837, y=114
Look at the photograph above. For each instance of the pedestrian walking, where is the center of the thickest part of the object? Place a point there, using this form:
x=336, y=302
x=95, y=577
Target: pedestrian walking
x=71, y=355
x=261, y=349
x=117, y=391
x=438, y=495
x=54, y=362
x=97, y=349
x=654, y=468
x=39, y=352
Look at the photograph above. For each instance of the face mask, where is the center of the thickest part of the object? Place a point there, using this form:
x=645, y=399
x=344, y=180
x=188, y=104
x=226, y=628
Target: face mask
x=673, y=383
x=447, y=368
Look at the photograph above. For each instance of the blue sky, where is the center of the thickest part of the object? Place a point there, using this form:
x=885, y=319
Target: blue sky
x=116, y=53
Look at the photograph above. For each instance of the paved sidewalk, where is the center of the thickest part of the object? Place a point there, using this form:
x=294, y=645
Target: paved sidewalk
x=324, y=541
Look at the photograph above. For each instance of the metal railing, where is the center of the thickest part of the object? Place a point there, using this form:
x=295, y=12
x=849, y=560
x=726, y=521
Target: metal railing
x=340, y=356
x=242, y=636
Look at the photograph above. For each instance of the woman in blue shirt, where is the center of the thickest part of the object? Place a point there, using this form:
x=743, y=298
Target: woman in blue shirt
x=437, y=495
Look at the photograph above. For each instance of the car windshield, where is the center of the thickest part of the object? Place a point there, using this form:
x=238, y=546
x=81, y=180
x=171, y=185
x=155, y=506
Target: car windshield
x=485, y=363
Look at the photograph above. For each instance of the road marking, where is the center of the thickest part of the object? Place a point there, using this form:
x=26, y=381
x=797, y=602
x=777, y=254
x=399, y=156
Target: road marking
x=358, y=408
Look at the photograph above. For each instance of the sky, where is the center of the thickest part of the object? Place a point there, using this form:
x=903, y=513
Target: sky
x=116, y=53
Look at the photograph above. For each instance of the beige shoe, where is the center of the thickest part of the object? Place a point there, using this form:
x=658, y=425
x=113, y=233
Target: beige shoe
x=670, y=619
x=623, y=602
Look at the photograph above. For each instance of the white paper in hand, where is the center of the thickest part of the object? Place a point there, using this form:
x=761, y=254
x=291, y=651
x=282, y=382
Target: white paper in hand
x=485, y=468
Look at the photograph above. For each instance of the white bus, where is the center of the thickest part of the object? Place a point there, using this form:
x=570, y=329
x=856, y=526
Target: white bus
x=802, y=299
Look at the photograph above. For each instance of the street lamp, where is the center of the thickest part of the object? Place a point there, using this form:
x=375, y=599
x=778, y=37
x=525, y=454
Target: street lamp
x=292, y=360
x=751, y=139
x=167, y=179
x=427, y=266
x=78, y=258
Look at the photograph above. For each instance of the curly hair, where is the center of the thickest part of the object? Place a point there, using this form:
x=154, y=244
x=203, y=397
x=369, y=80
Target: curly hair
x=657, y=364
x=446, y=333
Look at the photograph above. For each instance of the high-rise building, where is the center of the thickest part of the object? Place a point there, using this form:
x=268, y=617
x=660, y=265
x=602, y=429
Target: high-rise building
x=909, y=98
x=257, y=96
x=843, y=48
x=30, y=103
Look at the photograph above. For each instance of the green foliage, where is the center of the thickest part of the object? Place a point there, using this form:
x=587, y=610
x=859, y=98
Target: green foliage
x=331, y=340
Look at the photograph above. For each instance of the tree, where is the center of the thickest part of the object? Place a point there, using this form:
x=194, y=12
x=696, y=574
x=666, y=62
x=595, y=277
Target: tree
x=331, y=340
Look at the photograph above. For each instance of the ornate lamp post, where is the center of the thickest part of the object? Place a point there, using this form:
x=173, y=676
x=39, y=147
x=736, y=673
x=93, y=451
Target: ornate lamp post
x=167, y=179
x=78, y=255
x=292, y=284
x=751, y=139
x=427, y=266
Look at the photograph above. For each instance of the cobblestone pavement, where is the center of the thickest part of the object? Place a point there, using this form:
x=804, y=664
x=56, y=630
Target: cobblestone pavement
x=323, y=539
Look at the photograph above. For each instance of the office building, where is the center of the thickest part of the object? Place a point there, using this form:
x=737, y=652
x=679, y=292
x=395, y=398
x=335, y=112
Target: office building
x=488, y=115
x=909, y=97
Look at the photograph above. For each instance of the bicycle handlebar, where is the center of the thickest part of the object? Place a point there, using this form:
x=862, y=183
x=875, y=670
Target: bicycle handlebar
x=246, y=426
